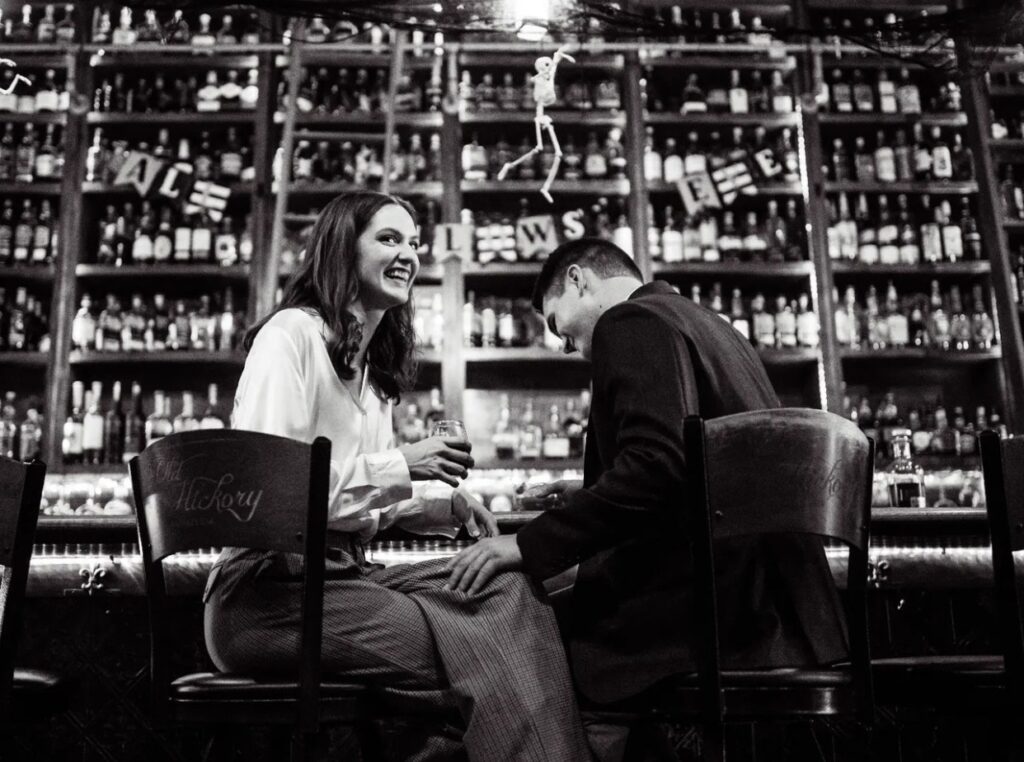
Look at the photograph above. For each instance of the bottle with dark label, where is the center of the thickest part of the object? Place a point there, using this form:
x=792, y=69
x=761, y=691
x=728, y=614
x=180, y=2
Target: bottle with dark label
x=905, y=479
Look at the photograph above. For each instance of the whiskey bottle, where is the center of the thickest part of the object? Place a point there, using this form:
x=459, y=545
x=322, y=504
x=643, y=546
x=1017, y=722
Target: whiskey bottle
x=114, y=428
x=134, y=426
x=983, y=330
x=211, y=417
x=905, y=479
x=938, y=321
x=959, y=323
x=158, y=423
x=92, y=426
x=71, y=443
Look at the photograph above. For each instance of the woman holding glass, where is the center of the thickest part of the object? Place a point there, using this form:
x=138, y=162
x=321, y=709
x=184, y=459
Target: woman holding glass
x=330, y=361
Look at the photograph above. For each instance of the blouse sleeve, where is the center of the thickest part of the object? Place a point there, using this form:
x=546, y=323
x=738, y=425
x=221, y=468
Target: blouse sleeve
x=273, y=398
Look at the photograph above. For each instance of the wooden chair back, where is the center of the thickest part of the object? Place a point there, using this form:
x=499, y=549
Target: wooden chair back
x=785, y=470
x=1003, y=464
x=21, y=489
x=226, y=488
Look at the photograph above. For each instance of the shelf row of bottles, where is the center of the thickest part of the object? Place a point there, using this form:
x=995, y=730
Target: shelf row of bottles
x=892, y=236
x=785, y=323
x=223, y=156
x=898, y=160
x=39, y=95
x=850, y=91
x=24, y=324
x=205, y=324
x=162, y=234
x=94, y=436
x=716, y=93
x=931, y=321
x=598, y=160
x=37, y=155
x=29, y=237
x=361, y=90
x=182, y=94
x=578, y=93
x=417, y=159
x=772, y=161
x=175, y=30
x=20, y=440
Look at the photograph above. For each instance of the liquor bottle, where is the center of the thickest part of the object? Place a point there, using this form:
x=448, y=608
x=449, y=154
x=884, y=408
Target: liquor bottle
x=898, y=327
x=763, y=322
x=113, y=429
x=959, y=323
x=738, y=316
x=186, y=419
x=8, y=429
x=17, y=322
x=863, y=161
x=504, y=439
x=942, y=157
x=907, y=94
x=555, y=444
x=134, y=426
x=71, y=444
x=905, y=480
x=92, y=426
x=30, y=436
x=931, y=234
x=574, y=428
x=842, y=95
x=211, y=417
x=851, y=319
x=671, y=238
x=807, y=325
x=970, y=232
x=983, y=330
x=202, y=239
x=945, y=439
x=694, y=100
x=738, y=101
x=952, y=235
x=916, y=323
x=888, y=234
x=150, y=31
x=692, y=245
x=938, y=321
x=23, y=234
x=867, y=234
x=204, y=36
x=877, y=327
x=133, y=331
x=158, y=424
x=963, y=159
x=755, y=243
x=910, y=250
x=782, y=98
x=125, y=34
x=163, y=244
x=887, y=101
x=785, y=324
x=903, y=157
x=674, y=168
x=729, y=242
x=840, y=161
x=142, y=246
x=531, y=436
x=652, y=159
x=923, y=156
x=862, y=92
x=25, y=156
x=884, y=160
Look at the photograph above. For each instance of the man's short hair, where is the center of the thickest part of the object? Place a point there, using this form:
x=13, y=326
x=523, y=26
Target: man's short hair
x=603, y=257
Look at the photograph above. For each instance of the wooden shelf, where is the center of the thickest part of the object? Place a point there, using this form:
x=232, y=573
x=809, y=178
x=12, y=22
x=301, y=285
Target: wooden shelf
x=795, y=356
x=956, y=119
x=358, y=118
x=507, y=57
x=30, y=189
x=518, y=354
x=196, y=119
x=536, y=464
x=426, y=189
x=154, y=54
x=733, y=57
x=98, y=189
x=594, y=118
x=938, y=188
x=45, y=117
x=686, y=121
x=24, y=359
x=564, y=187
x=79, y=357
x=924, y=269
x=28, y=273
x=1007, y=145
x=735, y=269
x=1014, y=225
x=234, y=273
x=478, y=271
x=768, y=189
x=916, y=353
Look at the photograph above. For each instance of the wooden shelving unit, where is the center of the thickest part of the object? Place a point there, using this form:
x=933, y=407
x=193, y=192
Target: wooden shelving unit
x=820, y=371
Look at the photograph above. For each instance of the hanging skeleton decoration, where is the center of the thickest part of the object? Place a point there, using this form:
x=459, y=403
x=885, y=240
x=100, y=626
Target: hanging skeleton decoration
x=544, y=95
x=17, y=77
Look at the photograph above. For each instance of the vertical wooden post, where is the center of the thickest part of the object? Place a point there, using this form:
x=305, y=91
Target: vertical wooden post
x=637, y=201
x=453, y=290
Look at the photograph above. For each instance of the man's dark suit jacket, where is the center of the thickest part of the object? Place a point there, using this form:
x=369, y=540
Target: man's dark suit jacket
x=657, y=358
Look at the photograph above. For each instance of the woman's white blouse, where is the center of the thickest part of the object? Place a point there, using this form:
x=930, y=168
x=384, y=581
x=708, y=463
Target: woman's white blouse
x=289, y=388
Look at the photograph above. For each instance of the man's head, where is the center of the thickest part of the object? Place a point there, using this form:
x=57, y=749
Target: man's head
x=580, y=280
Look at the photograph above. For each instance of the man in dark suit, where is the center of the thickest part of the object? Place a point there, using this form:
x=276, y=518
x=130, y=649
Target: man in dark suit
x=656, y=357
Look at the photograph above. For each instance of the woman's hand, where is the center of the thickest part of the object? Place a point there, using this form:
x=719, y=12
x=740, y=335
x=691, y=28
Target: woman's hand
x=447, y=460
x=479, y=521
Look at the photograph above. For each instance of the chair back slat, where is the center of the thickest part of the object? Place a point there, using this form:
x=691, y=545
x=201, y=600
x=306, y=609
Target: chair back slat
x=21, y=489
x=203, y=489
x=787, y=470
x=1003, y=465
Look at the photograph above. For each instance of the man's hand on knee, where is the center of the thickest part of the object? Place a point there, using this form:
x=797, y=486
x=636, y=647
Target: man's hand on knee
x=474, y=567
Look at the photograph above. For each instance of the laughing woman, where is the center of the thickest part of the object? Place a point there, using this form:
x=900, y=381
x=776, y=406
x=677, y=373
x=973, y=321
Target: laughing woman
x=331, y=361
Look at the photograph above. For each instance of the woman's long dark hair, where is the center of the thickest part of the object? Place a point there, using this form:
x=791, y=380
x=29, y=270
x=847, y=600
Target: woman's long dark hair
x=327, y=282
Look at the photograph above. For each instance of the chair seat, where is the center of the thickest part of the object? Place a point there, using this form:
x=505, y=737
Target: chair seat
x=747, y=693
x=941, y=680
x=39, y=693
x=206, y=697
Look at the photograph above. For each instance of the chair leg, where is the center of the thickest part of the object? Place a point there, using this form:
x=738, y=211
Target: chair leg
x=712, y=744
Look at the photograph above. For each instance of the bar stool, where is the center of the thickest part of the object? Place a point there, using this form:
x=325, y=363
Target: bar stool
x=821, y=467
x=25, y=694
x=277, y=501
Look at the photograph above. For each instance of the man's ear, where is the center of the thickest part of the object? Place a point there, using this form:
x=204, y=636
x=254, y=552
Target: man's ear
x=576, y=278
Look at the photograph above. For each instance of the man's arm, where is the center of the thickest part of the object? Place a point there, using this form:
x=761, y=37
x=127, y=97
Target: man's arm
x=642, y=370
